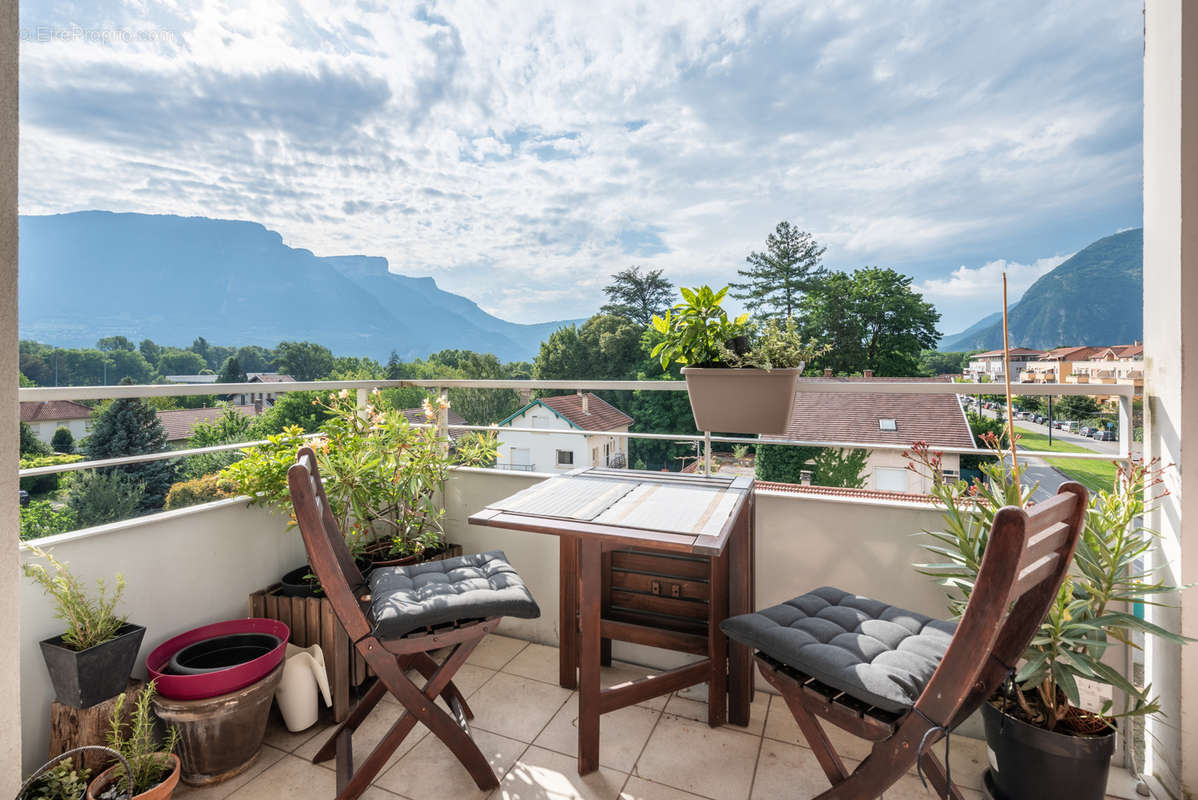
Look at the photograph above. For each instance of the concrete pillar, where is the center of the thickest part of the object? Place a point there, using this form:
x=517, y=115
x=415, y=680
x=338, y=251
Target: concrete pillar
x=1171, y=368
x=10, y=634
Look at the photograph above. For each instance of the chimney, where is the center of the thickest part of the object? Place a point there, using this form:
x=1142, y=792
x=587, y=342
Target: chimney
x=586, y=402
x=868, y=373
x=827, y=372
x=257, y=406
x=805, y=476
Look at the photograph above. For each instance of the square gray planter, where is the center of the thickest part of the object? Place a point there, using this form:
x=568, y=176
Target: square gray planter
x=83, y=678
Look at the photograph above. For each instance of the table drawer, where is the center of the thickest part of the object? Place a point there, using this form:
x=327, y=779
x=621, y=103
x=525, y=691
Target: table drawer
x=658, y=589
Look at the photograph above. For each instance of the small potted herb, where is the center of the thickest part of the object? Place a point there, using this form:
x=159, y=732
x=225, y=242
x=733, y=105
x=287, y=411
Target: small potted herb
x=740, y=376
x=60, y=782
x=92, y=660
x=153, y=770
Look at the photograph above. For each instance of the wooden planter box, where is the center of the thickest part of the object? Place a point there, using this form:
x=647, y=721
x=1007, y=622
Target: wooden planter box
x=312, y=621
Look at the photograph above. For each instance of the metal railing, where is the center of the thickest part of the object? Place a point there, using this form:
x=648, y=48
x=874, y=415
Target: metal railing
x=440, y=387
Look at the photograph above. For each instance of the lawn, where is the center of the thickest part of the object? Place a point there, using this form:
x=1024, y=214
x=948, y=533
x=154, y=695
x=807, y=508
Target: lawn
x=1094, y=475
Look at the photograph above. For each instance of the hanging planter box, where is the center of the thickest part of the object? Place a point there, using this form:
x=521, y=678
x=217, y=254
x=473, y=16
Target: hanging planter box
x=741, y=400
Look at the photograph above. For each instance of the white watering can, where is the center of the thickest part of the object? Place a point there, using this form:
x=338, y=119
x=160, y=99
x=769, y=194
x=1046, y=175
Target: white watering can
x=303, y=672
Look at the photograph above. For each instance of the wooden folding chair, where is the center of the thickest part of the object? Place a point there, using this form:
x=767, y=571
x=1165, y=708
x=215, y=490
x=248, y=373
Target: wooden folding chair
x=394, y=620
x=904, y=680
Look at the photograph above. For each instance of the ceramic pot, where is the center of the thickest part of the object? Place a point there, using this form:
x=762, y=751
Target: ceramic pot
x=162, y=791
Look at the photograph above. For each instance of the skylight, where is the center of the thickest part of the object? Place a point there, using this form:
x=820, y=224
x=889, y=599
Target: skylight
x=888, y=424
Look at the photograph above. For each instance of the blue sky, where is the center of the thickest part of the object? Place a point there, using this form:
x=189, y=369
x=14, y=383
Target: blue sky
x=521, y=156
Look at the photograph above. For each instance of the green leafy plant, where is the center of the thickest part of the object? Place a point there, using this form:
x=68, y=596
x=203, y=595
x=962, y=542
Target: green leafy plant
x=137, y=741
x=1088, y=614
x=99, y=497
x=200, y=490
x=60, y=782
x=90, y=620
x=697, y=331
x=43, y=518
x=774, y=346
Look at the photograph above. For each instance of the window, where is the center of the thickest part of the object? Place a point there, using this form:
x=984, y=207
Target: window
x=890, y=479
x=888, y=424
x=520, y=457
x=565, y=458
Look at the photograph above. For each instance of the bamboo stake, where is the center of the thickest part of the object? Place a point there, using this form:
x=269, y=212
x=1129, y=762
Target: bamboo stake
x=1006, y=357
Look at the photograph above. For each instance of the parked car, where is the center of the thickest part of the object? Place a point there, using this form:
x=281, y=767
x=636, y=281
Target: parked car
x=1086, y=430
x=24, y=497
x=1039, y=419
x=1105, y=436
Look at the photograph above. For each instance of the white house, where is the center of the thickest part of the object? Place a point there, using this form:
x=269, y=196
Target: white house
x=265, y=398
x=988, y=366
x=891, y=419
x=45, y=418
x=572, y=418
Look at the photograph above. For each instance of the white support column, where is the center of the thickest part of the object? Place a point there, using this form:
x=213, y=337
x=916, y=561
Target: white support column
x=10, y=689
x=1171, y=370
x=443, y=418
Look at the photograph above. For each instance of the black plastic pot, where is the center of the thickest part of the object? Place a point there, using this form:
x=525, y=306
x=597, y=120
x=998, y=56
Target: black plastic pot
x=293, y=584
x=1027, y=761
x=739, y=345
x=221, y=652
x=83, y=678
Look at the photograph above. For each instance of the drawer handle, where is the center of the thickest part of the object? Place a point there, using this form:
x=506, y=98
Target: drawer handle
x=675, y=590
x=655, y=587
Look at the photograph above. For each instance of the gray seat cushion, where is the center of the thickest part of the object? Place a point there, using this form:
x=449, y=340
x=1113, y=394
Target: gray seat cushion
x=468, y=587
x=877, y=653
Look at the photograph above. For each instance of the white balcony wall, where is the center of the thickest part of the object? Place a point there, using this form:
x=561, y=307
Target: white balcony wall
x=183, y=568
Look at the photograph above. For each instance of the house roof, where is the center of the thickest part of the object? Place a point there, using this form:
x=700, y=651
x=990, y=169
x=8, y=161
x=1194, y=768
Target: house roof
x=415, y=416
x=1124, y=351
x=268, y=377
x=192, y=378
x=937, y=419
x=178, y=423
x=1076, y=353
x=51, y=410
x=599, y=416
x=835, y=491
x=1015, y=351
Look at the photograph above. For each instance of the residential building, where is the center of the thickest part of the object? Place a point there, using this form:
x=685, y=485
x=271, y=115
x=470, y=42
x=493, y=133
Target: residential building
x=266, y=397
x=1056, y=365
x=180, y=422
x=1118, y=364
x=575, y=416
x=893, y=421
x=988, y=366
x=415, y=416
x=45, y=418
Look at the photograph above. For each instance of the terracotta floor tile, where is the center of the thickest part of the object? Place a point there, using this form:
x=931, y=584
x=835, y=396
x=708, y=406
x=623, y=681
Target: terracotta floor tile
x=542, y=774
x=622, y=734
x=688, y=755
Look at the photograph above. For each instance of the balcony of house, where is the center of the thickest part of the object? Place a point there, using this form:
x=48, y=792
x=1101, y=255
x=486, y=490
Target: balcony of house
x=197, y=565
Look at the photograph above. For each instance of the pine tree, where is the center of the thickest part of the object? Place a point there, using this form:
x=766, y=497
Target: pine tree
x=128, y=427
x=232, y=372
x=637, y=296
x=777, y=278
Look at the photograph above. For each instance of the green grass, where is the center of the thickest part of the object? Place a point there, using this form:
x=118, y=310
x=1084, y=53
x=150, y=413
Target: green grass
x=1094, y=475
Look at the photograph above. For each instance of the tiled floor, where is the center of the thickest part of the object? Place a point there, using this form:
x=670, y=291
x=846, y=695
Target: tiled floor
x=526, y=725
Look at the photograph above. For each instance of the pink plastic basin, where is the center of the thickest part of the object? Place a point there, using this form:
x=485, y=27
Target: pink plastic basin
x=211, y=684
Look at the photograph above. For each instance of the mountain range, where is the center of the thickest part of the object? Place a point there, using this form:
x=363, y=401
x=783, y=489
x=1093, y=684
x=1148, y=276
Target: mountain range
x=91, y=274
x=1094, y=297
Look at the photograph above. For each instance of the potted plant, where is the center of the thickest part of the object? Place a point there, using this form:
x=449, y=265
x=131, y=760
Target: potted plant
x=740, y=377
x=62, y=781
x=384, y=478
x=153, y=768
x=1044, y=742
x=91, y=661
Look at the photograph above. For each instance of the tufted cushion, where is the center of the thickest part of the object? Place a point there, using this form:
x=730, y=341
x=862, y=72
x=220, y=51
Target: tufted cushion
x=877, y=653
x=467, y=587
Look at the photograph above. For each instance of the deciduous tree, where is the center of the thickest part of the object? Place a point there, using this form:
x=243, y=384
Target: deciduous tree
x=305, y=361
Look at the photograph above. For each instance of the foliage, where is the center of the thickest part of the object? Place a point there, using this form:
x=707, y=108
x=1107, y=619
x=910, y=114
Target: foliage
x=98, y=498
x=477, y=406
x=232, y=372
x=1086, y=616
x=231, y=427
x=774, y=346
x=660, y=412
x=200, y=490
x=128, y=427
x=44, y=484
x=137, y=741
x=173, y=361
x=1075, y=407
x=696, y=331
x=63, y=441
x=740, y=452
x=981, y=426
x=1029, y=402
x=110, y=343
x=841, y=468
x=291, y=409
x=90, y=620
x=256, y=359
x=477, y=448
x=304, y=361
x=150, y=351
x=872, y=319
x=60, y=782
x=777, y=278
x=637, y=296
x=781, y=463
x=934, y=362
x=382, y=475
x=30, y=444
x=42, y=518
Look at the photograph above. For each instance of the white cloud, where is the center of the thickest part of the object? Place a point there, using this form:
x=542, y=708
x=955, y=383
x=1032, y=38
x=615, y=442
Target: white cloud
x=970, y=283
x=510, y=161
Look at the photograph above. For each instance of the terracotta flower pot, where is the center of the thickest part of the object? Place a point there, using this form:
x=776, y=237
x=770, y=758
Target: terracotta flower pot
x=162, y=791
x=741, y=400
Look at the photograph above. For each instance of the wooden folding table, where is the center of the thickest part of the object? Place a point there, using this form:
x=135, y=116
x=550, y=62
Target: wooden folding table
x=653, y=558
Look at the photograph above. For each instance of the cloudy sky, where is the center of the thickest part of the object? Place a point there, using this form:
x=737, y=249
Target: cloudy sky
x=520, y=154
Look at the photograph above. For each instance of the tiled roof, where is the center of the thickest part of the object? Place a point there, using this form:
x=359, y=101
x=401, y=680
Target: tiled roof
x=1127, y=350
x=832, y=491
x=53, y=410
x=268, y=377
x=179, y=422
x=600, y=415
x=1015, y=351
x=416, y=416
x=1078, y=353
x=854, y=417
